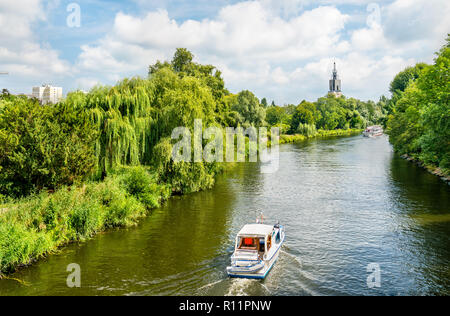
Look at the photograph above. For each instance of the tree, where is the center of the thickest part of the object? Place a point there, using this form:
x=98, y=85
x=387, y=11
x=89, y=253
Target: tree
x=152, y=69
x=44, y=147
x=182, y=59
x=403, y=78
x=250, y=110
x=420, y=121
x=264, y=102
x=183, y=65
x=305, y=113
x=276, y=115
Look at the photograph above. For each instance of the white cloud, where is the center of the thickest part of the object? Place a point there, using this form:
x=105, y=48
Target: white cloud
x=28, y=62
x=416, y=25
x=281, y=50
x=245, y=41
x=86, y=83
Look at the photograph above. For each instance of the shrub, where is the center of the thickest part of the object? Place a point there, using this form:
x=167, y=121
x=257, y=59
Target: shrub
x=86, y=219
x=43, y=147
x=19, y=246
x=308, y=130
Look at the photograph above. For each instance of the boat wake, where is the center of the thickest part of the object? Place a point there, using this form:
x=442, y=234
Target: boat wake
x=210, y=284
x=240, y=287
x=266, y=288
x=296, y=259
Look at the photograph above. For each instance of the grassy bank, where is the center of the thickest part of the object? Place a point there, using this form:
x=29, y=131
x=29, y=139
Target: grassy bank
x=320, y=133
x=32, y=227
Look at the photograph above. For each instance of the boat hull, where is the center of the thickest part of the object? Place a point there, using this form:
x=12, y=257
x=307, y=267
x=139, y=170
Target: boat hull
x=373, y=131
x=260, y=274
x=372, y=135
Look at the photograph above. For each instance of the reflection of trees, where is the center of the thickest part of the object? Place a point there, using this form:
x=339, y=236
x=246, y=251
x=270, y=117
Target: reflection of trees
x=418, y=187
x=425, y=201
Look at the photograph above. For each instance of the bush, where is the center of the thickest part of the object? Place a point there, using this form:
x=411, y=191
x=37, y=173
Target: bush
x=307, y=130
x=182, y=177
x=43, y=147
x=86, y=219
x=19, y=246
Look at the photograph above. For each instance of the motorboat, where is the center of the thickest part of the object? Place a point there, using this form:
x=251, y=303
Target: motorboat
x=373, y=131
x=257, y=248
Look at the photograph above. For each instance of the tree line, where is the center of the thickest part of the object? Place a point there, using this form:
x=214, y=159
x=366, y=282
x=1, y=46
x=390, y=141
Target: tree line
x=418, y=121
x=89, y=135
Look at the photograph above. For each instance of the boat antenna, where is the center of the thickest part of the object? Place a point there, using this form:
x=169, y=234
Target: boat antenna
x=260, y=218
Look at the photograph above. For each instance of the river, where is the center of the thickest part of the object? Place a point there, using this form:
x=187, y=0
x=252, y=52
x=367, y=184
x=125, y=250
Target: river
x=345, y=202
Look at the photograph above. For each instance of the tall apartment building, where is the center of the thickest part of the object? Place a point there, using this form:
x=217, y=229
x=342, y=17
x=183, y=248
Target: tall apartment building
x=47, y=94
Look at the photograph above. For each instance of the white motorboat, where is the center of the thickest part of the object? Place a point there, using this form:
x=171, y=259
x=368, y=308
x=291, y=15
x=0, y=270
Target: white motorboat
x=373, y=131
x=257, y=249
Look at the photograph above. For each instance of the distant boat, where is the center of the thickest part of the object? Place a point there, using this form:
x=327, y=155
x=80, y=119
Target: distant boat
x=257, y=249
x=373, y=131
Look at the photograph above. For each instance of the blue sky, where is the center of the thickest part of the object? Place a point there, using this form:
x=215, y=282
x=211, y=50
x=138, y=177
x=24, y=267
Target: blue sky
x=281, y=50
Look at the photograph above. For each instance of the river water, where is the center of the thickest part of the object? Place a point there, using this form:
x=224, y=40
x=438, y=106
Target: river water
x=346, y=203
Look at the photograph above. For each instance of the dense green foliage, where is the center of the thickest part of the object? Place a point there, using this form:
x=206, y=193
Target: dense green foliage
x=42, y=146
x=327, y=113
x=319, y=133
x=403, y=78
x=250, y=111
x=419, y=125
x=93, y=134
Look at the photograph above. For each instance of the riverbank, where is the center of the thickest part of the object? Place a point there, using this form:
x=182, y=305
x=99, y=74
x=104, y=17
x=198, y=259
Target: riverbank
x=444, y=176
x=33, y=227
x=320, y=133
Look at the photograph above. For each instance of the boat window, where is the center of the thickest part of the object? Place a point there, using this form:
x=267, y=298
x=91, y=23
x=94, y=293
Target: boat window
x=248, y=243
x=269, y=242
x=261, y=245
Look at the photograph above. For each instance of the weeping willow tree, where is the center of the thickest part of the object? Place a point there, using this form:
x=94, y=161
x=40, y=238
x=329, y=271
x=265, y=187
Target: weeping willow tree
x=137, y=114
x=134, y=115
x=125, y=121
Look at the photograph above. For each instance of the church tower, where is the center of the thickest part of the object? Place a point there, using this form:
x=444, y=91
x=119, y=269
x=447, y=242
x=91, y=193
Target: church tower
x=335, y=83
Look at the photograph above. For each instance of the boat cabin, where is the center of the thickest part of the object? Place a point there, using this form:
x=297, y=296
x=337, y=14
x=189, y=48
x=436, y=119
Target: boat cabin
x=255, y=237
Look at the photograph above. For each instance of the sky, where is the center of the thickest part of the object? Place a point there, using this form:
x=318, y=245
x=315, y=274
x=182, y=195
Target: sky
x=279, y=49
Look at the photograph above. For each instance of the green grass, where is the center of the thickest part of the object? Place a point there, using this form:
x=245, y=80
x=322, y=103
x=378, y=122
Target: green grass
x=37, y=225
x=320, y=133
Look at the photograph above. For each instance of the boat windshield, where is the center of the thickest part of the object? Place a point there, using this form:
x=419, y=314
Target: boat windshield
x=250, y=243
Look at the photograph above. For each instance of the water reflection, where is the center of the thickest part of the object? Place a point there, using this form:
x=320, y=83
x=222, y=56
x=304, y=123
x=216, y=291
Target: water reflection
x=423, y=202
